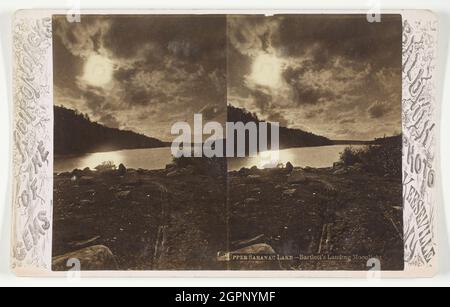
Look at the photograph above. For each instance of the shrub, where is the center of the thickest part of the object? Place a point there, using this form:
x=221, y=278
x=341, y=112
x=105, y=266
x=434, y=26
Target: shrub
x=351, y=156
x=383, y=158
x=106, y=166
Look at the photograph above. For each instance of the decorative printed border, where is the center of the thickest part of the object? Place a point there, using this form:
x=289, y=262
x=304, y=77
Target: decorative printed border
x=31, y=251
x=32, y=142
x=419, y=148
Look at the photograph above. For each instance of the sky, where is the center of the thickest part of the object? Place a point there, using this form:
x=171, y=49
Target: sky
x=142, y=73
x=336, y=75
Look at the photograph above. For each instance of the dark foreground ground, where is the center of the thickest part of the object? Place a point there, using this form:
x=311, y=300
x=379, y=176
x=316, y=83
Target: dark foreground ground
x=306, y=219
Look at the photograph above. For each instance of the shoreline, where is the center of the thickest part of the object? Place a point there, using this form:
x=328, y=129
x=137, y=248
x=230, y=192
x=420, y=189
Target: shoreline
x=174, y=218
x=338, y=143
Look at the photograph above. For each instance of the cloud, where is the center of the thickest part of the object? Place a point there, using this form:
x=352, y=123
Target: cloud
x=348, y=121
x=165, y=68
x=324, y=73
x=110, y=121
x=333, y=70
x=378, y=110
x=251, y=34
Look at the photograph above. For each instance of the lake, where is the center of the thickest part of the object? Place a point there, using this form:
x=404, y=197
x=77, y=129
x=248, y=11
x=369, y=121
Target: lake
x=158, y=158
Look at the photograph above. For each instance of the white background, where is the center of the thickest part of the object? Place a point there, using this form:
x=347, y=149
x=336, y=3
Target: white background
x=7, y=8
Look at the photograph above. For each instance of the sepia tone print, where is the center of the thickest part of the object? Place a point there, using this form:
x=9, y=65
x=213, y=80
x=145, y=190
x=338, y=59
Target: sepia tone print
x=122, y=202
x=334, y=202
x=329, y=198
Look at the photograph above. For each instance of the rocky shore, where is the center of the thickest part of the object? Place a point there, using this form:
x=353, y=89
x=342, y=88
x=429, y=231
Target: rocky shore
x=178, y=218
x=319, y=219
x=150, y=220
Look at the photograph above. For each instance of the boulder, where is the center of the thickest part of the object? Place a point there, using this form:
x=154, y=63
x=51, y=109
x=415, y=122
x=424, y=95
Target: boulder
x=289, y=167
x=94, y=258
x=340, y=171
x=82, y=244
x=170, y=166
x=254, y=168
x=244, y=171
x=141, y=171
x=172, y=174
x=338, y=164
x=122, y=169
x=243, y=243
x=297, y=177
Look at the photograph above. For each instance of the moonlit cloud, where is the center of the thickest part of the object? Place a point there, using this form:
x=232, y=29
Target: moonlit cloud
x=334, y=75
x=141, y=73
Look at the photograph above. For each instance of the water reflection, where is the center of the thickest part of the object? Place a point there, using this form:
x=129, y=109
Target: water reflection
x=158, y=158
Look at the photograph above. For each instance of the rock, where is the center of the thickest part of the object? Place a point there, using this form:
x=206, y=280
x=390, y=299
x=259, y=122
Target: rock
x=123, y=195
x=141, y=171
x=94, y=258
x=172, y=174
x=252, y=241
x=297, y=177
x=170, y=166
x=338, y=164
x=81, y=244
x=289, y=192
x=122, y=169
x=86, y=180
x=244, y=171
x=340, y=171
x=289, y=167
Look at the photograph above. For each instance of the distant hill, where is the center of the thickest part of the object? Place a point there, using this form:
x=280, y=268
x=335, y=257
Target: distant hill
x=75, y=133
x=351, y=142
x=288, y=137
